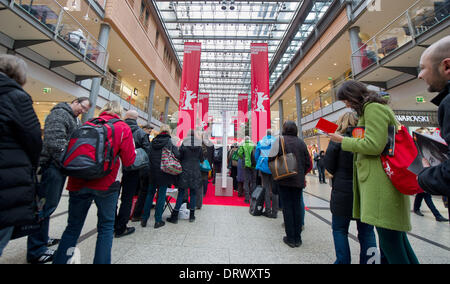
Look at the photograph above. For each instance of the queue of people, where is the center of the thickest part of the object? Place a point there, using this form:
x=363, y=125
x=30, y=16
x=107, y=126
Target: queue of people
x=361, y=189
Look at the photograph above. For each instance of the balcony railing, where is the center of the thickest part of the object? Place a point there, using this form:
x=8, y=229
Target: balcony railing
x=52, y=15
x=125, y=92
x=419, y=18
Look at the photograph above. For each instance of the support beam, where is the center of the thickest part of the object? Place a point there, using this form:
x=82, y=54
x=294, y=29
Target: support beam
x=166, y=109
x=26, y=43
x=151, y=96
x=408, y=70
x=298, y=96
x=281, y=115
x=55, y=64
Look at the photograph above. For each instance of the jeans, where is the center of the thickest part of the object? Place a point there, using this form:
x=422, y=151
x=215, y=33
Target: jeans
x=293, y=213
x=428, y=201
x=321, y=174
x=162, y=190
x=5, y=236
x=79, y=205
x=180, y=198
x=130, y=185
x=271, y=199
x=52, y=184
x=366, y=237
x=249, y=182
x=143, y=191
x=396, y=247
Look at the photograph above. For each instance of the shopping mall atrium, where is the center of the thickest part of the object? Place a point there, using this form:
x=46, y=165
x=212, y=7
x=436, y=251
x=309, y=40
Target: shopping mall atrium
x=133, y=51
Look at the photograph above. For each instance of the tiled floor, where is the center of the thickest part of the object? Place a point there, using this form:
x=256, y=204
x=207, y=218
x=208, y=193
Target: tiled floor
x=230, y=235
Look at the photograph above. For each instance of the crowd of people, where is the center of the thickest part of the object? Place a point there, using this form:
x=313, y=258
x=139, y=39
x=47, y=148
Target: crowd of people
x=32, y=175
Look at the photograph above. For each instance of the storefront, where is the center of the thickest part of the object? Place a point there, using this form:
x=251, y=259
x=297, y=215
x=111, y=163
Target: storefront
x=418, y=120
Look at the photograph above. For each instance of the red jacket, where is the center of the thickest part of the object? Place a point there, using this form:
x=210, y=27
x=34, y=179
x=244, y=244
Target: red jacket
x=123, y=146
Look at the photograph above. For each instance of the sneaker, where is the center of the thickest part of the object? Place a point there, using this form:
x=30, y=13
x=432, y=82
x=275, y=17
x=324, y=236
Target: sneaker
x=52, y=242
x=44, y=258
x=128, y=231
x=441, y=219
x=159, y=224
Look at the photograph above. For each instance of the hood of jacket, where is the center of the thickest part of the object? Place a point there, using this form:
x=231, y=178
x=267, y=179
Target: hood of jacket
x=160, y=141
x=7, y=84
x=132, y=123
x=66, y=107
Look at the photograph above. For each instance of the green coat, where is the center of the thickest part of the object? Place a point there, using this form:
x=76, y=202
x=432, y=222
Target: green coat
x=376, y=201
x=245, y=152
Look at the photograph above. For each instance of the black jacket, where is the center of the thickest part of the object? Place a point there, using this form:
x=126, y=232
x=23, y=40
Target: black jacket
x=339, y=163
x=295, y=145
x=139, y=136
x=191, y=155
x=436, y=180
x=20, y=147
x=158, y=177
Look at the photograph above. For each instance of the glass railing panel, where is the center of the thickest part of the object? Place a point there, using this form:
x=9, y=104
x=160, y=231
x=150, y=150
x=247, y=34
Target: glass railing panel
x=327, y=98
x=46, y=12
x=428, y=13
x=96, y=52
x=365, y=56
x=394, y=36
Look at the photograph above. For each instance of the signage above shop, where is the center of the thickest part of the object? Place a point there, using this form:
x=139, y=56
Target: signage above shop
x=417, y=118
x=420, y=99
x=46, y=90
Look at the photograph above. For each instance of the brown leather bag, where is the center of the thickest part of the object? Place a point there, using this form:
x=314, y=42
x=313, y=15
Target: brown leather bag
x=284, y=166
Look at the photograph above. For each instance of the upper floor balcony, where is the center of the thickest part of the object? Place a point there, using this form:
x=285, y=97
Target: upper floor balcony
x=396, y=49
x=48, y=33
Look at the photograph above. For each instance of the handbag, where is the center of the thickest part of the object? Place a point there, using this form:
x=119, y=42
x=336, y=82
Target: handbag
x=205, y=166
x=141, y=161
x=169, y=163
x=283, y=166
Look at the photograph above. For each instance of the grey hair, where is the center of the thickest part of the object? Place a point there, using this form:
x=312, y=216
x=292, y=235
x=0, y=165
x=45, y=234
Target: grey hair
x=14, y=67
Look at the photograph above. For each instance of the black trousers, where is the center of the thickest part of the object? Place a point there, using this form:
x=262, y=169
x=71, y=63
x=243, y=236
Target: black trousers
x=143, y=190
x=291, y=198
x=130, y=185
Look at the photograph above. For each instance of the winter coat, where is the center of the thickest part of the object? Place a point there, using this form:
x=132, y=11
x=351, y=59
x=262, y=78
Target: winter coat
x=339, y=163
x=436, y=180
x=375, y=200
x=320, y=161
x=123, y=147
x=139, y=136
x=294, y=145
x=59, y=126
x=158, y=177
x=262, y=154
x=191, y=155
x=20, y=146
x=245, y=152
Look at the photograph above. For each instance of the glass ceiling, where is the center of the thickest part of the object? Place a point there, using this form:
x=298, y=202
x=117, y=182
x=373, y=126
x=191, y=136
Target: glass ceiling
x=226, y=29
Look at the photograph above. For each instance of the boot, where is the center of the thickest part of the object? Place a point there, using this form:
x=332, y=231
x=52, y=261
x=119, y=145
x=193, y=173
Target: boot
x=174, y=217
x=191, y=216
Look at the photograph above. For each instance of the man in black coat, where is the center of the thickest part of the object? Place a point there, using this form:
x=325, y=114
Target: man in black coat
x=20, y=146
x=130, y=179
x=435, y=71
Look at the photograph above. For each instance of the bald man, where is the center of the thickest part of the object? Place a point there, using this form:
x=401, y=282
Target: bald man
x=130, y=179
x=435, y=71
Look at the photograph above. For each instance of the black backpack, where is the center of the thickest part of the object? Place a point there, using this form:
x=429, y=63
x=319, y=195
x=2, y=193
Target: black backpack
x=90, y=153
x=257, y=201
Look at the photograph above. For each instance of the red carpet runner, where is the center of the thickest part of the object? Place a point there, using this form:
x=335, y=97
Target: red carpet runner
x=211, y=198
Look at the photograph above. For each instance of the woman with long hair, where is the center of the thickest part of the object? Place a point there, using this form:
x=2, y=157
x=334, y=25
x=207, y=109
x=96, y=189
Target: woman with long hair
x=339, y=163
x=376, y=201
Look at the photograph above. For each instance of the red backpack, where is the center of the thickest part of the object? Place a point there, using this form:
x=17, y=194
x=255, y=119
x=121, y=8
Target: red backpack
x=90, y=153
x=396, y=166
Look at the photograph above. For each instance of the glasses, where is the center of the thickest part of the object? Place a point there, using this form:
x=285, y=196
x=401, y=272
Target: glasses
x=84, y=107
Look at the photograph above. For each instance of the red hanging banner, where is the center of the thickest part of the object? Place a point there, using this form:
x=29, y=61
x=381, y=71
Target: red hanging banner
x=203, y=111
x=189, y=88
x=242, y=114
x=260, y=90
